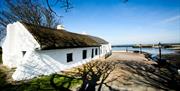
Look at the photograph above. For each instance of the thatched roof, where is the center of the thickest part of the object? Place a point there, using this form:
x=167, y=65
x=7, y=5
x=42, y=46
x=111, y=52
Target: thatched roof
x=50, y=38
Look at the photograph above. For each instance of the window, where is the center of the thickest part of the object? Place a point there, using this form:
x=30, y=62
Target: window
x=96, y=51
x=92, y=54
x=69, y=57
x=23, y=53
x=84, y=54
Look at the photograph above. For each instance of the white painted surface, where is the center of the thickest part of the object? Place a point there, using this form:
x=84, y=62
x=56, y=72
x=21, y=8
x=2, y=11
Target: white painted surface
x=105, y=48
x=18, y=39
x=40, y=62
x=50, y=61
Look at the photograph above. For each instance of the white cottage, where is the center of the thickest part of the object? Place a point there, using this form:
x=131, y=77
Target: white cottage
x=36, y=50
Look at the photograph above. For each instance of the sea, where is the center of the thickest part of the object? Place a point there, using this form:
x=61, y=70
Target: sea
x=154, y=51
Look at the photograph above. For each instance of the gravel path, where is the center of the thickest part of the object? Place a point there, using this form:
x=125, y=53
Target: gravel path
x=127, y=56
x=134, y=73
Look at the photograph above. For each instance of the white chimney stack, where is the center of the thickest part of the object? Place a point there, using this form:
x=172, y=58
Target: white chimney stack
x=60, y=27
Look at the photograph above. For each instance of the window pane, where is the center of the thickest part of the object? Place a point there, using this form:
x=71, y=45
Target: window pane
x=23, y=52
x=92, y=54
x=69, y=57
x=84, y=54
x=96, y=51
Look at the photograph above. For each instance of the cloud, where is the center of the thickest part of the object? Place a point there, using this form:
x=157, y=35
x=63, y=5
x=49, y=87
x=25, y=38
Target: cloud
x=171, y=19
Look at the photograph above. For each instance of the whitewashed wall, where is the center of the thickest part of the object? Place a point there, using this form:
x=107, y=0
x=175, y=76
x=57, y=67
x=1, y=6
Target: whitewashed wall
x=18, y=39
x=50, y=61
x=60, y=55
x=105, y=48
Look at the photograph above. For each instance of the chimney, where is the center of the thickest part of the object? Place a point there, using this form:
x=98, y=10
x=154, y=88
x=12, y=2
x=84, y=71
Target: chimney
x=60, y=27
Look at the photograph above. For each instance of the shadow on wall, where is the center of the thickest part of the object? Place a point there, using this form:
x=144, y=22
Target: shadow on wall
x=108, y=54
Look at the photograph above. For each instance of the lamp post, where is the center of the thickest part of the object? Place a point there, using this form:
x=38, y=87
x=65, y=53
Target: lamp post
x=159, y=45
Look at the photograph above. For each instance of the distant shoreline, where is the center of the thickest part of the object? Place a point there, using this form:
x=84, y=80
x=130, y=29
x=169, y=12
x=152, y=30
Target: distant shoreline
x=173, y=46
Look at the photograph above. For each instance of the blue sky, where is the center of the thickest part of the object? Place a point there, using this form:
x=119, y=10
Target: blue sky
x=134, y=22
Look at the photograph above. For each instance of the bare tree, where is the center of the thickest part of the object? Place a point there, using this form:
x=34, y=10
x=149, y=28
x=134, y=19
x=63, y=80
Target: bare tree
x=29, y=11
x=37, y=12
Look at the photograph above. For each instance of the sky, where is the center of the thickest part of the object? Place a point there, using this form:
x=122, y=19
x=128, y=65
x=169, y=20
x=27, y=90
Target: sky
x=134, y=22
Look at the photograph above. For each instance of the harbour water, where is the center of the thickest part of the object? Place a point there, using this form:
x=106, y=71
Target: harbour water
x=149, y=50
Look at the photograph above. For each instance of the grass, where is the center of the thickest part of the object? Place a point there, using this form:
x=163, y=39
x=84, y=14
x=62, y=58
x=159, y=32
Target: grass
x=39, y=84
x=2, y=77
x=67, y=82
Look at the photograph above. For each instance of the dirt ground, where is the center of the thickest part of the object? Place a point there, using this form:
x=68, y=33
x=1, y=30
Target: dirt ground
x=136, y=73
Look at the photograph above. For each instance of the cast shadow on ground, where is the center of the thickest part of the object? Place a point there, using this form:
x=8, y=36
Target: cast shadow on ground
x=161, y=77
